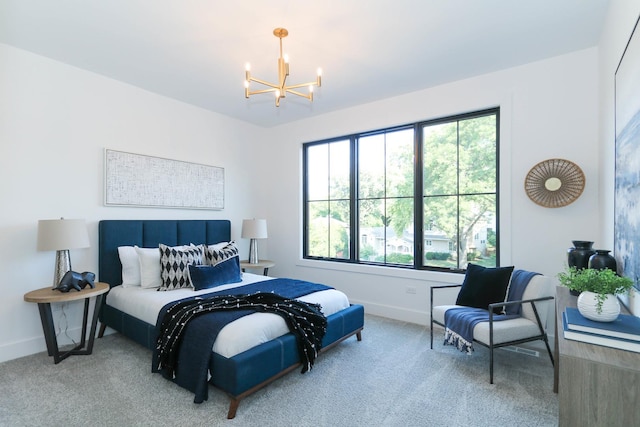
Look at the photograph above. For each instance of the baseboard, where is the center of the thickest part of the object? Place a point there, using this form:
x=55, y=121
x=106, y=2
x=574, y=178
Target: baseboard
x=35, y=345
x=21, y=348
x=393, y=312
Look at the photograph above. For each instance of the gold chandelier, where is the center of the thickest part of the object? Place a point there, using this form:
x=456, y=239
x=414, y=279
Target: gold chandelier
x=280, y=89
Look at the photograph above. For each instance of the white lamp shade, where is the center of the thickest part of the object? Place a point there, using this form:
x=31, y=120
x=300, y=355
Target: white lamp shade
x=254, y=229
x=62, y=234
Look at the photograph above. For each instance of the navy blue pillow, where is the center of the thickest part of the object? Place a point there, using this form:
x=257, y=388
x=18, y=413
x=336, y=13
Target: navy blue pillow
x=483, y=286
x=210, y=276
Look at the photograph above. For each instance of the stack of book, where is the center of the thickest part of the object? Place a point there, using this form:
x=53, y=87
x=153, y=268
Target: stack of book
x=622, y=333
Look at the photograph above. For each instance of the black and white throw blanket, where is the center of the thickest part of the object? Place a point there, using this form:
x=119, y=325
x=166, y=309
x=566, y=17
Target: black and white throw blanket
x=187, y=329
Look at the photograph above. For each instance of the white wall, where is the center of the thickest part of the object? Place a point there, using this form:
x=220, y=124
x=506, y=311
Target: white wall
x=621, y=18
x=55, y=122
x=548, y=109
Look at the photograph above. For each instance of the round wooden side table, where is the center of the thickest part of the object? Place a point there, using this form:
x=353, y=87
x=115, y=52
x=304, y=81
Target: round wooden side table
x=45, y=296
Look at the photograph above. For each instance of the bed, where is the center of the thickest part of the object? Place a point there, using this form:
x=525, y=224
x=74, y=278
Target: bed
x=238, y=371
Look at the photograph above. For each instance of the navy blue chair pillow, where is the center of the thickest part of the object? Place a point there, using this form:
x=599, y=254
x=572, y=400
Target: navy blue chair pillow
x=483, y=286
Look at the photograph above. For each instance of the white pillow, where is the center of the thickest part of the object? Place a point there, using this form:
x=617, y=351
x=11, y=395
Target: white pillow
x=149, y=259
x=130, y=266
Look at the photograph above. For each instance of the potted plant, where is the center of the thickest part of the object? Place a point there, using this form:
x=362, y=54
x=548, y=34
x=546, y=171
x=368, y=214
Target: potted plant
x=598, y=290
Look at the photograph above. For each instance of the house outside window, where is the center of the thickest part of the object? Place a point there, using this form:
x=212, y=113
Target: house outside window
x=421, y=196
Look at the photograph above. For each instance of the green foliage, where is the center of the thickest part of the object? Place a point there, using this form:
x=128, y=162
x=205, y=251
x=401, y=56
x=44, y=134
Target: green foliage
x=437, y=255
x=396, y=258
x=367, y=252
x=328, y=238
x=601, y=282
x=491, y=237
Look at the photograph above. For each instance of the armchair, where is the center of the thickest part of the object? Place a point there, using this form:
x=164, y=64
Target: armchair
x=529, y=325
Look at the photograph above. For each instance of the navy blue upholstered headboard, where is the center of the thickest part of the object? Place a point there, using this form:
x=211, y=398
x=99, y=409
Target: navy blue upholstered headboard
x=149, y=234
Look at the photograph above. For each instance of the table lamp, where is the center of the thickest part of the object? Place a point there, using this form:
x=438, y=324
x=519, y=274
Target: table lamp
x=60, y=235
x=254, y=229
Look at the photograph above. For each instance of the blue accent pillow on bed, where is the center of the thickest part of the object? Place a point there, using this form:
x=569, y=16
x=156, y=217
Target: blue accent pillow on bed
x=210, y=276
x=483, y=286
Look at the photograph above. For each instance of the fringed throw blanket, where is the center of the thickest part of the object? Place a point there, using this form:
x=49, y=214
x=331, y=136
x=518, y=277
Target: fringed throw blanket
x=184, y=357
x=460, y=321
x=305, y=321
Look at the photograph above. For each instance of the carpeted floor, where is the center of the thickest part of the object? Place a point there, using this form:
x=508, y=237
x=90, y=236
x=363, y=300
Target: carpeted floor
x=391, y=378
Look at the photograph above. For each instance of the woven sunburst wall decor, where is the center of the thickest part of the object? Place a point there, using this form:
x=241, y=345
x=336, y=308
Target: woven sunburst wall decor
x=554, y=183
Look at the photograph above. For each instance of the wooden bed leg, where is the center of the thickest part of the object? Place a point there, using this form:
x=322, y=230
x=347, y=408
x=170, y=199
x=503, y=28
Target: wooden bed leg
x=103, y=326
x=233, y=407
x=359, y=335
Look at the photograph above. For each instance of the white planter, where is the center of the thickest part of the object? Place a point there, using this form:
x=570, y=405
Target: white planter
x=587, y=306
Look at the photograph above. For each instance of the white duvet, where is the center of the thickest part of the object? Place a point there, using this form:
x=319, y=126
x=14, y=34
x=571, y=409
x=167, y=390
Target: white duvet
x=239, y=335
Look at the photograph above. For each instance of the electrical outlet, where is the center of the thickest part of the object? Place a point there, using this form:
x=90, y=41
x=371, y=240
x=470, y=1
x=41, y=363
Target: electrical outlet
x=411, y=290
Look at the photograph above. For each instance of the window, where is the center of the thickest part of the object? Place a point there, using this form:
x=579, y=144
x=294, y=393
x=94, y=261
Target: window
x=422, y=195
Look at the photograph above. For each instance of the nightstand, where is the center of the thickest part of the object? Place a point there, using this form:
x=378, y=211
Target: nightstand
x=263, y=263
x=45, y=296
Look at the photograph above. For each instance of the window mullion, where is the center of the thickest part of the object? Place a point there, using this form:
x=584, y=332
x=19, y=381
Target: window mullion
x=458, y=228
x=418, y=199
x=354, y=229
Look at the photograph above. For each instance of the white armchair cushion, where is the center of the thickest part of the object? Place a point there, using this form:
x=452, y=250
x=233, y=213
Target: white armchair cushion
x=508, y=330
x=503, y=330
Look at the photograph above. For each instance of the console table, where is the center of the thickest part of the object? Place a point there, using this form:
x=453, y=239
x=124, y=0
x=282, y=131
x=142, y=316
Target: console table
x=597, y=386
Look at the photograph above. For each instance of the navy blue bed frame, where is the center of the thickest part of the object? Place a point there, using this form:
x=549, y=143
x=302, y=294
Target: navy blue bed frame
x=239, y=375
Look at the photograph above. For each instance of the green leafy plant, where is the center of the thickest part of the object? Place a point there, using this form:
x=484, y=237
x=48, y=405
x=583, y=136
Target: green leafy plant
x=600, y=282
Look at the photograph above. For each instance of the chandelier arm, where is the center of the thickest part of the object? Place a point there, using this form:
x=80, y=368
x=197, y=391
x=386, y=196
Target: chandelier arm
x=301, y=85
x=257, y=92
x=295, y=92
x=262, y=82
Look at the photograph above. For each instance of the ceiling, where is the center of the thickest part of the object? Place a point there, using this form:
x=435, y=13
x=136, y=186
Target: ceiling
x=195, y=51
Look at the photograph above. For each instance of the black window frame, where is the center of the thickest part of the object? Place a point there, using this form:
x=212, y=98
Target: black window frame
x=418, y=196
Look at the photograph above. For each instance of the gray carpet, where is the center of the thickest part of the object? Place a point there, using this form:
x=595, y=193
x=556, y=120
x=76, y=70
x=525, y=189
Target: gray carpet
x=391, y=378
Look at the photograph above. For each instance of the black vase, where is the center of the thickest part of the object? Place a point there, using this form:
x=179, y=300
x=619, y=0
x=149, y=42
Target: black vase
x=578, y=256
x=603, y=259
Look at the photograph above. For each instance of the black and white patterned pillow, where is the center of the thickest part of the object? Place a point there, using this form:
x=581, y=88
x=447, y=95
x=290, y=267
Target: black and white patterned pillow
x=215, y=254
x=174, y=265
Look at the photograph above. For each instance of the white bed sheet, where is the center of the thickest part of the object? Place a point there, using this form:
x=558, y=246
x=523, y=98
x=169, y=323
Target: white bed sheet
x=239, y=335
